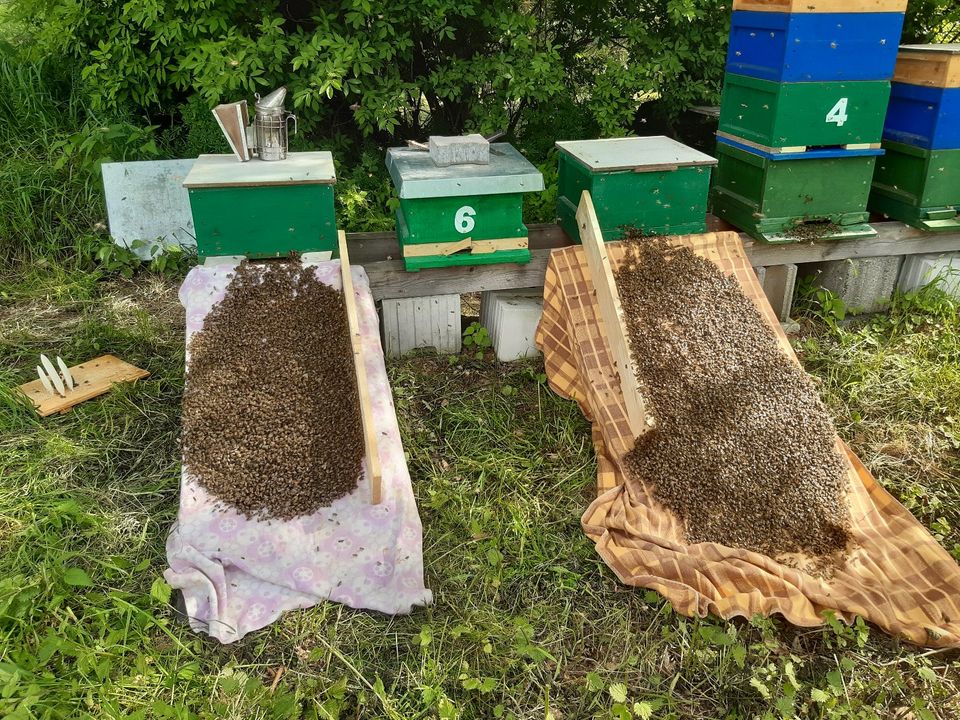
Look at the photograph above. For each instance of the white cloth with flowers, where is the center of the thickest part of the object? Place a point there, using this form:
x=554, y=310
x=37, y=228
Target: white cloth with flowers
x=238, y=575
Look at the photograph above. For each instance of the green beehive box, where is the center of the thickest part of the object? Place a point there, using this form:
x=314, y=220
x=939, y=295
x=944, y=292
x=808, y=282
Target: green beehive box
x=469, y=214
x=917, y=186
x=795, y=116
x=263, y=209
x=654, y=184
x=770, y=199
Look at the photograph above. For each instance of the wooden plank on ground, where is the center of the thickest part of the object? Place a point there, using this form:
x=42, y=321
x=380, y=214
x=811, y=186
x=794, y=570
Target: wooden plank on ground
x=611, y=313
x=363, y=390
x=92, y=378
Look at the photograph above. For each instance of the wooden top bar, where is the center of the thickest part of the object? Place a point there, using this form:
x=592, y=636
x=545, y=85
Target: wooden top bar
x=930, y=65
x=822, y=6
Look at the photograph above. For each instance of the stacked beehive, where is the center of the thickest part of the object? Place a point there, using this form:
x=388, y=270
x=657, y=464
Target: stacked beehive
x=918, y=180
x=801, y=119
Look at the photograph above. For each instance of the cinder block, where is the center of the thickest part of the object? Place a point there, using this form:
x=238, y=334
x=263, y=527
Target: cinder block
x=459, y=150
x=423, y=322
x=921, y=270
x=864, y=284
x=511, y=318
x=778, y=282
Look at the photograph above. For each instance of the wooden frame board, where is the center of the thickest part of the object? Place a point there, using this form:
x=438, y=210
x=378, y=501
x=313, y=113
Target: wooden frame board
x=366, y=406
x=611, y=312
x=91, y=379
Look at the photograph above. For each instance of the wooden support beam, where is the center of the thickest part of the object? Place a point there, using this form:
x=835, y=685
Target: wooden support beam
x=363, y=390
x=611, y=314
x=379, y=253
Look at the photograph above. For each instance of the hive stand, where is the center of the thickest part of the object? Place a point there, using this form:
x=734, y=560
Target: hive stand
x=614, y=327
x=511, y=317
x=372, y=457
x=430, y=321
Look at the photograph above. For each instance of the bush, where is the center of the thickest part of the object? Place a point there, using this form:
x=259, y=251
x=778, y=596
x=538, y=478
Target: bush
x=391, y=69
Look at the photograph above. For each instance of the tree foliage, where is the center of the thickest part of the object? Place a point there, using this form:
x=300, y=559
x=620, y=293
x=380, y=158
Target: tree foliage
x=397, y=68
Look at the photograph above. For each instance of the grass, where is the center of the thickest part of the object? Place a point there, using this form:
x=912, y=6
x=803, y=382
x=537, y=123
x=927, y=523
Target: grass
x=527, y=623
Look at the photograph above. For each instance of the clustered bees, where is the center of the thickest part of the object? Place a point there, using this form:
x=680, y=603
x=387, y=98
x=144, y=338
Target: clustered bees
x=271, y=416
x=743, y=450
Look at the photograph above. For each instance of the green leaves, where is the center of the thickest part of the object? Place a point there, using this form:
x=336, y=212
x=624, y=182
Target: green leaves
x=77, y=577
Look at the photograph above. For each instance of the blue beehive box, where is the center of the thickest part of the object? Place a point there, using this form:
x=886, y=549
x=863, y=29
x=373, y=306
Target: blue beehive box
x=926, y=117
x=814, y=47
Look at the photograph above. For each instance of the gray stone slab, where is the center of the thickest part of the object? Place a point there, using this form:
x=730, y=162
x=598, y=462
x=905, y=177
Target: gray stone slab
x=459, y=150
x=864, y=284
x=432, y=321
x=778, y=283
x=147, y=201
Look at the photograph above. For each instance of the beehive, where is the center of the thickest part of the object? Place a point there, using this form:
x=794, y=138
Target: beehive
x=798, y=115
x=462, y=214
x=263, y=209
x=918, y=186
x=918, y=182
x=925, y=102
x=768, y=196
x=814, y=47
x=655, y=184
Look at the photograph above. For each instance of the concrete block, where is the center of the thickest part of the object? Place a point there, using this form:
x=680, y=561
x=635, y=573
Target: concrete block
x=921, y=270
x=147, y=201
x=511, y=318
x=432, y=321
x=778, y=282
x=864, y=284
x=459, y=150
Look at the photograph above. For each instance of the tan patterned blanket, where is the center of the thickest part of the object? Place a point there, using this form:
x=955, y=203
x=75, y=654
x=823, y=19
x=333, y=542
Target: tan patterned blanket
x=896, y=576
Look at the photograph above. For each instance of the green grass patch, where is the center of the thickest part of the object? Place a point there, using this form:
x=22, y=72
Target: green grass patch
x=527, y=622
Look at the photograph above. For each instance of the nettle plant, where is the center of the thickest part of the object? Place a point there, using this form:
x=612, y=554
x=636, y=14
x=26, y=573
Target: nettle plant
x=394, y=68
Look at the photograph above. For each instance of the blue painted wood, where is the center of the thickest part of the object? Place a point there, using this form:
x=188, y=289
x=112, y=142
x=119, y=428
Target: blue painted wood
x=814, y=47
x=925, y=117
x=808, y=155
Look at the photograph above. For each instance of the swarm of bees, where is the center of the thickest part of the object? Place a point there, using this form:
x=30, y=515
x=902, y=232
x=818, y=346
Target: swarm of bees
x=743, y=451
x=271, y=415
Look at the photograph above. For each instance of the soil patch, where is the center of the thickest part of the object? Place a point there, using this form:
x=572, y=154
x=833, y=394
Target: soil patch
x=271, y=417
x=743, y=450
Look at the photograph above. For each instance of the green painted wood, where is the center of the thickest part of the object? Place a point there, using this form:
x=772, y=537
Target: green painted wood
x=671, y=202
x=261, y=222
x=792, y=114
x=918, y=177
x=414, y=264
x=939, y=219
x=766, y=197
x=449, y=219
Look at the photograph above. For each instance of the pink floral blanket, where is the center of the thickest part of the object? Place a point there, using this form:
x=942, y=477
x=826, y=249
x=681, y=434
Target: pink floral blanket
x=238, y=575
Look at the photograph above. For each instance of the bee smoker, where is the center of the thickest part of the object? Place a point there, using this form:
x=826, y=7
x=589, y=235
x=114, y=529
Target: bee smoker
x=269, y=136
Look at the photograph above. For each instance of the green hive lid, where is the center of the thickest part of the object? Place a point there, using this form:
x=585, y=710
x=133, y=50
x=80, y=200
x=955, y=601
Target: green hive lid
x=301, y=168
x=949, y=48
x=642, y=154
x=416, y=176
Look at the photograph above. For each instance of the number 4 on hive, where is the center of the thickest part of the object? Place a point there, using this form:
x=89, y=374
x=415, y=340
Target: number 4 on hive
x=838, y=114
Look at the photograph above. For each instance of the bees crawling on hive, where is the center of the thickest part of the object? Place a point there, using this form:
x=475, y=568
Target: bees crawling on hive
x=271, y=415
x=744, y=451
